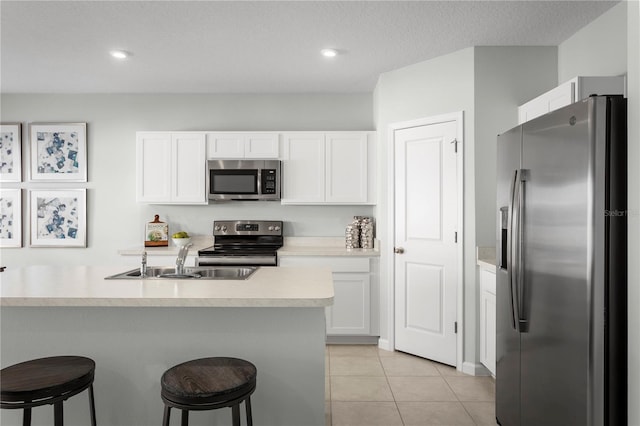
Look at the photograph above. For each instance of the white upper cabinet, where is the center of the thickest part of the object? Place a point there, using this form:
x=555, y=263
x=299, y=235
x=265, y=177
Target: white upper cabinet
x=346, y=160
x=303, y=168
x=242, y=145
x=171, y=168
x=328, y=168
x=569, y=92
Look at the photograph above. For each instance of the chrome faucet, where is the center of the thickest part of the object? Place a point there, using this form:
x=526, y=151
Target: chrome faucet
x=143, y=266
x=182, y=255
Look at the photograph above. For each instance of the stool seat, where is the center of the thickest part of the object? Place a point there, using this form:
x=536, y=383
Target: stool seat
x=46, y=381
x=45, y=378
x=209, y=384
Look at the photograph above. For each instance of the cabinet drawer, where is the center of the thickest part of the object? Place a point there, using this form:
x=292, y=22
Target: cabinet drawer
x=336, y=264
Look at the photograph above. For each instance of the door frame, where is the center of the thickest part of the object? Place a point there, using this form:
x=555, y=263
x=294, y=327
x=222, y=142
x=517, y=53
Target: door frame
x=388, y=256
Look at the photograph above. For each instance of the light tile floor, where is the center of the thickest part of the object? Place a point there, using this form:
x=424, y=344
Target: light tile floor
x=368, y=386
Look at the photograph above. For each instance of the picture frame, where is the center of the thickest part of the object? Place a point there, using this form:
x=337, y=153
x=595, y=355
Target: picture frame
x=58, y=152
x=10, y=152
x=10, y=218
x=58, y=217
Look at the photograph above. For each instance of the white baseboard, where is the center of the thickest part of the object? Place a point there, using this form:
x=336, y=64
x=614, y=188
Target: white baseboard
x=475, y=369
x=385, y=344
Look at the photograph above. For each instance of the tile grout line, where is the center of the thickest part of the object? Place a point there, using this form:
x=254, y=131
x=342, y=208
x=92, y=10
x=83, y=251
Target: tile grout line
x=390, y=388
x=458, y=399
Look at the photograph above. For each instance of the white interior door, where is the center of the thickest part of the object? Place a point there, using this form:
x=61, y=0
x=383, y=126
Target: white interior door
x=426, y=259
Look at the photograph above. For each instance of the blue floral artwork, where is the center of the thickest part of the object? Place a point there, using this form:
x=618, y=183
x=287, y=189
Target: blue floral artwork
x=7, y=230
x=57, y=152
x=57, y=218
x=7, y=147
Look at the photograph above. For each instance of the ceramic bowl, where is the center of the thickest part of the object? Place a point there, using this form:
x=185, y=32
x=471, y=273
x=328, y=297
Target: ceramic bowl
x=181, y=241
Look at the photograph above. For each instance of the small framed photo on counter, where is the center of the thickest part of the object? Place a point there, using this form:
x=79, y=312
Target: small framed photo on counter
x=58, y=152
x=10, y=152
x=58, y=218
x=10, y=218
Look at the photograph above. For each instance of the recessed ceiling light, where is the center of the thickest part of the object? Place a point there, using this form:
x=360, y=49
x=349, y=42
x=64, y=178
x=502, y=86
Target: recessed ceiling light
x=120, y=54
x=329, y=53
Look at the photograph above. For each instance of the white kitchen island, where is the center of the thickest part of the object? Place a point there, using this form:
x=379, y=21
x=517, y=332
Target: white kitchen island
x=136, y=329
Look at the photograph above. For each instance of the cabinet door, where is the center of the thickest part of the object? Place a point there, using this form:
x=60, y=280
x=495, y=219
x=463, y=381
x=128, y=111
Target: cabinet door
x=488, y=320
x=225, y=145
x=549, y=101
x=346, y=168
x=153, y=171
x=261, y=145
x=189, y=168
x=350, y=313
x=303, y=171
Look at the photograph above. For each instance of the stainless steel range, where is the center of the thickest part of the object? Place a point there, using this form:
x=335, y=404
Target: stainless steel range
x=243, y=242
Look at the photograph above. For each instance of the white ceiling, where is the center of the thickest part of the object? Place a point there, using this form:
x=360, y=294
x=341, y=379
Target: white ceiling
x=256, y=46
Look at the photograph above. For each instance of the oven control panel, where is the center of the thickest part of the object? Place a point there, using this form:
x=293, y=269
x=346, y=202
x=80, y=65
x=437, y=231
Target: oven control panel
x=247, y=227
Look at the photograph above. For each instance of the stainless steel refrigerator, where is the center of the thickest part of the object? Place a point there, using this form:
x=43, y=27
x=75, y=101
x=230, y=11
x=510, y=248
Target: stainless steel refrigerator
x=561, y=268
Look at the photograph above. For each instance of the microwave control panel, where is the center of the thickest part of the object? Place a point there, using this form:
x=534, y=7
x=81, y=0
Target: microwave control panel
x=269, y=177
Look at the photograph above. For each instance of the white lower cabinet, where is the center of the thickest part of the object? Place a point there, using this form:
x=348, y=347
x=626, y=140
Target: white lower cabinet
x=353, y=278
x=350, y=313
x=488, y=319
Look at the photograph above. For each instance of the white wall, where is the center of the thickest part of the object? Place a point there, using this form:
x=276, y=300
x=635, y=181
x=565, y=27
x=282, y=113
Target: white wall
x=115, y=220
x=438, y=86
x=505, y=77
x=599, y=48
x=610, y=45
x=487, y=83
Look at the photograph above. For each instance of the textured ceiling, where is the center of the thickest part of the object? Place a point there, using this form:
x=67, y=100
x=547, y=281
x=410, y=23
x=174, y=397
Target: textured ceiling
x=256, y=46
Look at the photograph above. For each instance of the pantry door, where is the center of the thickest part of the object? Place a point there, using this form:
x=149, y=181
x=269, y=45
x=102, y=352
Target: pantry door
x=427, y=239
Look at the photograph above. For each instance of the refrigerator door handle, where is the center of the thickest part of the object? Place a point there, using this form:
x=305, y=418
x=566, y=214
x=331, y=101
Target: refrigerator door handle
x=522, y=322
x=512, y=269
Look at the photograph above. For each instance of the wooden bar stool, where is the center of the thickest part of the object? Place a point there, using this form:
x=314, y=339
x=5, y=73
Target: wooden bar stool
x=209, y=384
x=47, y=381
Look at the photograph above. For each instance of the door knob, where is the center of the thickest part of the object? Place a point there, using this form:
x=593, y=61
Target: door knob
x=398, y=250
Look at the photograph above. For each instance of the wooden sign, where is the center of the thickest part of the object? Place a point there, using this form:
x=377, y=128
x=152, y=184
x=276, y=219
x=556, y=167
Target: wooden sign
x=157, y=233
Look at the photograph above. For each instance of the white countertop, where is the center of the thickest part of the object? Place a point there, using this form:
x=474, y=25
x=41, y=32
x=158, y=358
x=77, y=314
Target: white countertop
x=486, y=258
x=293, y=246
x=323, y=246
x=86, y=286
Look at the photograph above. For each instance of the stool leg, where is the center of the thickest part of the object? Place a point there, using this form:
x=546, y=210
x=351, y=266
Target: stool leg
x=247, y=405
x=92, y=405
x=58, y=414
x=235, y=415
x=26, y=417
x=185, y=418
x=167, y=414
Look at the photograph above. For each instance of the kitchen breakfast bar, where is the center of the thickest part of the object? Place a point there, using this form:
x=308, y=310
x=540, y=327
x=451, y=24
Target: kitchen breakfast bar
x=137, y=329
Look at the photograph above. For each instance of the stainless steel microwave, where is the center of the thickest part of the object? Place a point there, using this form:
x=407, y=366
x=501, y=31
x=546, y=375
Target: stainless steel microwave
x=243, y=180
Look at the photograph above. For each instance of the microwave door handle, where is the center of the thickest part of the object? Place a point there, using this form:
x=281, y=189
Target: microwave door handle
x=259, y=183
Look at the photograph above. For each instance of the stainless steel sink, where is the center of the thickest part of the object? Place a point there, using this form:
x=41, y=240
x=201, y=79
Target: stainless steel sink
x=190, y=273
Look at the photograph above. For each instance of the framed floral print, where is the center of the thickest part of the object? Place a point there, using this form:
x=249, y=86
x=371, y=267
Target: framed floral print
x=10, y=152
x=58, y=152
x=10, y=218
x=58, y=218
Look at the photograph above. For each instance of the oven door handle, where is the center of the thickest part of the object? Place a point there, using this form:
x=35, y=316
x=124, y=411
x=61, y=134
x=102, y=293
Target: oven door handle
x=236, y=260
